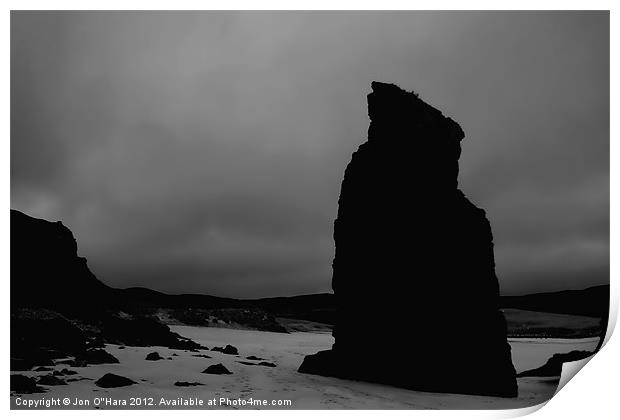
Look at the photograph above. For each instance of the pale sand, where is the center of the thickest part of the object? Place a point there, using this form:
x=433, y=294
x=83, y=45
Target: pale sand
x=156, y=378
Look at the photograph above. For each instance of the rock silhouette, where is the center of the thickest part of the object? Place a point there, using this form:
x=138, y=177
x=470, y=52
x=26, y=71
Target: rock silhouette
x=553, y=366
x=268, y=364
x=226, y=350
x=50, y=380
x=46, y=270
x=110, y=380
x=22, y=384
x=181, y=383
x=411, y=247
x=96, y=357
x=218, y=369
x=153, y=356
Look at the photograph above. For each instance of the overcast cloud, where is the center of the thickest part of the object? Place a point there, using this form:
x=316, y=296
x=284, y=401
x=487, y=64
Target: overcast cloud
x=203, y=152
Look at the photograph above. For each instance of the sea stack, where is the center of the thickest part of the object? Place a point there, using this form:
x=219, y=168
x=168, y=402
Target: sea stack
x=414, y=272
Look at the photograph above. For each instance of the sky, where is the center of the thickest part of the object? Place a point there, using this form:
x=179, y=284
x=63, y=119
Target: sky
x=202, y=152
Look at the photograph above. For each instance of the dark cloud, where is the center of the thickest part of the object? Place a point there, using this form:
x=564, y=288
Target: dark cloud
x=204, y=152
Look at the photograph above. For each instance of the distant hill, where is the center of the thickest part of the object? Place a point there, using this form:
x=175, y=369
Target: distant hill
x=590, y=302
x=318, y=307
x=593, y=301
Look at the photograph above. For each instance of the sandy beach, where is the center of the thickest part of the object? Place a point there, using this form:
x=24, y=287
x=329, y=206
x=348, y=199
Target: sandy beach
x=281, y=386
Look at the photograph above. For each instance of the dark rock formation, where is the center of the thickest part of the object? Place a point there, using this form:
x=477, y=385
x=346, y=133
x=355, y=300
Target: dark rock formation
x=180, y=383
x=254, y=358
x=153, y=356
x=142, y=331
x=51, y=380
x=38, y=336
x=19, y=364
x=218, y=369
x=46, y=270
x=21, y=384
x=60, y=309
x=227, y=350
x=413, y=251
x=268, y=364
x=97, y=357
x=110, y=380
x=553, y=366
x=202, y=355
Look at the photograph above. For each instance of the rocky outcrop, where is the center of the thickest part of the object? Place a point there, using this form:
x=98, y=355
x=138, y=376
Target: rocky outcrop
x=21, y=384
x=50, y=380
x=414, y=267
x=96, y=357
x=553, y=366
x=39, y=336
x=60, y=309
x=46, y=270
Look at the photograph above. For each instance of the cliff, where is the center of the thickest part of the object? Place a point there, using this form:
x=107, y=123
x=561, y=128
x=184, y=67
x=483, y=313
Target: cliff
x=46, y=270
x=60, y=309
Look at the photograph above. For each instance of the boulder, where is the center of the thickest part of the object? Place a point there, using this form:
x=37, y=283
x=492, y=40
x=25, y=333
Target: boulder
x=96, y=357
x=268, y=364
x=51, y=380
x=226, y=350
x=412, y=248
x=185, y=384
x=21, y=384
x=218, y=369
x=153, y=356
x=110, y=380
